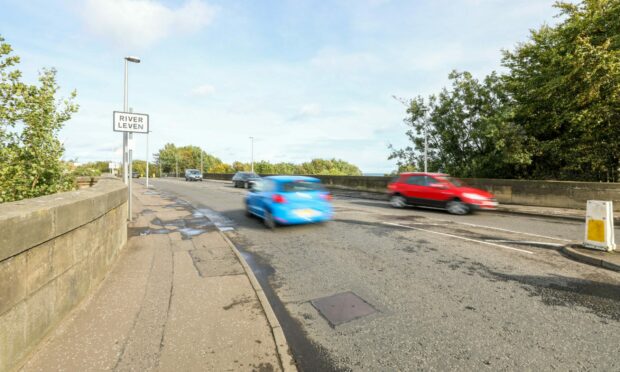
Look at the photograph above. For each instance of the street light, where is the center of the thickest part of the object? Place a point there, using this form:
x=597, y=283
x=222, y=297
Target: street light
x=125, y=134
x=252, y=141
x=126, y=138
x=147, y=158
x=401, y=100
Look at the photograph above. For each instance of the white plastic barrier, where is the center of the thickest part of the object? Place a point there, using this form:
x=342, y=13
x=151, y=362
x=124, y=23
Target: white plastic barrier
x=600, y=225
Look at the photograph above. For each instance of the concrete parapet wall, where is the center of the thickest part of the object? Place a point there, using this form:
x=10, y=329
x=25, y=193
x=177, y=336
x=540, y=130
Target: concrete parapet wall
x=53, y=251
x=559, y=194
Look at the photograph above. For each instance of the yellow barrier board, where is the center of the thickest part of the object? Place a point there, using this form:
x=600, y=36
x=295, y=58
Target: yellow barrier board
x=596, y=230
x=599, y=228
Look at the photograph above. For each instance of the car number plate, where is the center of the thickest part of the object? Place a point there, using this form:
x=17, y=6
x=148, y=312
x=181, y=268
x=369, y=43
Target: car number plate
x=306, y=212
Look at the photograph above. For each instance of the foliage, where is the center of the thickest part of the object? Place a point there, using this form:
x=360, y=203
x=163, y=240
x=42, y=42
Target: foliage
x=469, y=128
x=565, y=82
x=554, y=115
x=30, y=118
x=333, y=167
x=140, y=167
x=173, y=159
x=92, y=169
x=188, y=157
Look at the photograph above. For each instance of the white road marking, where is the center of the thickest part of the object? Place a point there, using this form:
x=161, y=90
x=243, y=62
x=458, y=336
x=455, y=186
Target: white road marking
x=485, y=227
x=500, y=229
x=459, y=237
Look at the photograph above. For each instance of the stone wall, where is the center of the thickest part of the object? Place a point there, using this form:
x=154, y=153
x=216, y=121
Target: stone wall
x=558, y=194
x=53, y=251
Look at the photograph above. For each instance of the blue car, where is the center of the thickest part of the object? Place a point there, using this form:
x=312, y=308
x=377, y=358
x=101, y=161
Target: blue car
x=289, y=200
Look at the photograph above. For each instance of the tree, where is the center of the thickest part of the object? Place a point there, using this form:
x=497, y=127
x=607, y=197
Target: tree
x=565, y=82
x=93, y=168
x=221, y=168
x=187, y=157
x=334, y=167
x=30, y=118
x=470, y=130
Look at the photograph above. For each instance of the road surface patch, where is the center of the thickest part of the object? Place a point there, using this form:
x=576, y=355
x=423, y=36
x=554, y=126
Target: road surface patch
x=342, y=307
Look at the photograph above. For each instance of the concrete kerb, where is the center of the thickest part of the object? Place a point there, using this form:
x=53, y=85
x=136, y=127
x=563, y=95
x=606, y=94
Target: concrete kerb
x=283, y=350
x=570, y=251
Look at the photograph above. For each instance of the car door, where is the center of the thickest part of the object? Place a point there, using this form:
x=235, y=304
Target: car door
x=434, y=192
x=412, y=190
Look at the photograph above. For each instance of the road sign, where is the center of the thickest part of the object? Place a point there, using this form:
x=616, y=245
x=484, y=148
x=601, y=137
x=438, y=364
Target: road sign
x=600, y=225
x=130, y=122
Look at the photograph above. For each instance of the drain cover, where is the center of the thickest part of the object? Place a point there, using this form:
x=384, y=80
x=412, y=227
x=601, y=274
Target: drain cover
x=342, y=307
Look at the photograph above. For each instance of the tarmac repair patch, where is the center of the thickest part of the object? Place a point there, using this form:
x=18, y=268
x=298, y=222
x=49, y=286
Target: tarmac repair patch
x=342, y=307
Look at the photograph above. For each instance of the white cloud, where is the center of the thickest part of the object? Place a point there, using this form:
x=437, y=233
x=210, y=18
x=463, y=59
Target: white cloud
x=335, y=59
x=203, y=90
x=310, y=109
x=142, y=23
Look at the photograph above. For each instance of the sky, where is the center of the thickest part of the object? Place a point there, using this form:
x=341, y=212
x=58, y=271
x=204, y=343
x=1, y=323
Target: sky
x=306, y=79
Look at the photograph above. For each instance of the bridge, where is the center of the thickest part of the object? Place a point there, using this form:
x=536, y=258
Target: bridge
x=193, y=284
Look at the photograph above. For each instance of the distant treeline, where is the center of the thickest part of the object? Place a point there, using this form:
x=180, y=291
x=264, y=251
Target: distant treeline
x=170, y=158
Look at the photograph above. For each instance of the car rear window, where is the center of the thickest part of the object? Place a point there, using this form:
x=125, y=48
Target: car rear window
x=297, y=186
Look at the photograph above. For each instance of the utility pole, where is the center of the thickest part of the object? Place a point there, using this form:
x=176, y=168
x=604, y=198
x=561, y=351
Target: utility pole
x=176, y=158
x=201, y=162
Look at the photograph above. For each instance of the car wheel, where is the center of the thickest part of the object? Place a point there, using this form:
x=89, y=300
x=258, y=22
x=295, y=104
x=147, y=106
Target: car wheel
x=398, y=201
x=270, y=223
x=457, y=207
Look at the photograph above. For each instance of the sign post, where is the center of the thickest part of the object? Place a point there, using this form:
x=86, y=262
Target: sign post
x=130, y=123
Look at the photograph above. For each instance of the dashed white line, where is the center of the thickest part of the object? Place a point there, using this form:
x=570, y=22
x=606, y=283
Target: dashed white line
x=460, y=237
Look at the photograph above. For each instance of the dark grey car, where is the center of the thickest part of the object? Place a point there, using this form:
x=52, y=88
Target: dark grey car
x=243, y=179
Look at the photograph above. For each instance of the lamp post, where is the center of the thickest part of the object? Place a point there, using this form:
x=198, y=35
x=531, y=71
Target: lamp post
x=252, y=158
x=125, y=134
x=127, y=137
x=147, y=159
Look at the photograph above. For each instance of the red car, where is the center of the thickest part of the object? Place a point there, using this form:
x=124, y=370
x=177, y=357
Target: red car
x=438, y=191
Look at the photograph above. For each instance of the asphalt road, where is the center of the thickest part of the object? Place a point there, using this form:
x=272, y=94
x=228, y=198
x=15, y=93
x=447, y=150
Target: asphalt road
x=485, y=291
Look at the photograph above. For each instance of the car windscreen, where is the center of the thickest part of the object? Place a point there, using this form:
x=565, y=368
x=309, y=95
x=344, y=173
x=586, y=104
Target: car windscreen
x=297, y=186
x=194, y=172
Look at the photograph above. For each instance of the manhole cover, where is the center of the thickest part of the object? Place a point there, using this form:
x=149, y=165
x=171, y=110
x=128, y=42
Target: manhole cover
x=343, y=307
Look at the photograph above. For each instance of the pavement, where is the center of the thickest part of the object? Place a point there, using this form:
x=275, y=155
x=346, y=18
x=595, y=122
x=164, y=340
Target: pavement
x=180, y=298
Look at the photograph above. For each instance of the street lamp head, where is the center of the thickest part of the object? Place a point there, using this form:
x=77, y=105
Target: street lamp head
x=133, y=59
